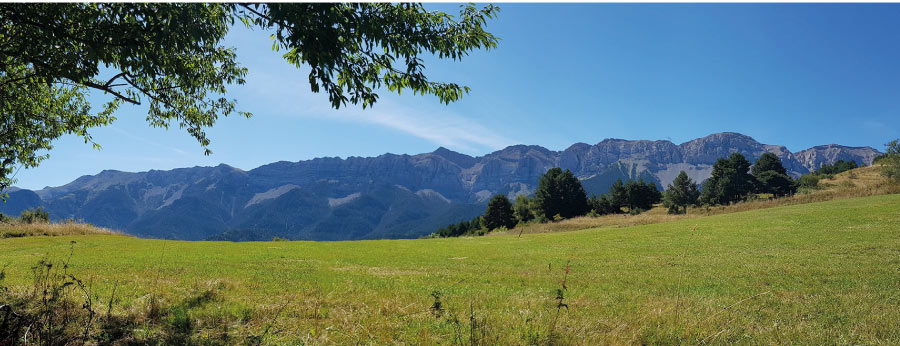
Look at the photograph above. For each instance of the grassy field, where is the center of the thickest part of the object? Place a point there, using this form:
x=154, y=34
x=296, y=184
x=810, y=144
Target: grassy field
x=860, y=182
x=818, y=273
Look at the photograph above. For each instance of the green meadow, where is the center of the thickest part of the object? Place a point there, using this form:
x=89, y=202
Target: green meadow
x=817, y=273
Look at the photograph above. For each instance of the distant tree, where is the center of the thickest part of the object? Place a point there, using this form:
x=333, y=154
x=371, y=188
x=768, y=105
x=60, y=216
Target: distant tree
x=524, y=208
x=172, y=59
x=730, y=181
x=640, y=195
x=838, y=166
x=499, y=213
x=560, y=193
x=602, y=205
x=891, y=161
x=768, y=162
x=771, y=176
x=618, y=197
x=462, y=228
x=680, y=194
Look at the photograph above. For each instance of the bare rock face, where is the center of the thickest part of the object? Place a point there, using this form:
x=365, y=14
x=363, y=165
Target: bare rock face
x=815, y=157
x=389, y=196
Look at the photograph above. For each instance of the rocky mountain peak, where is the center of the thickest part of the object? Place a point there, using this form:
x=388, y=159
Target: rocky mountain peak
x=387, y=196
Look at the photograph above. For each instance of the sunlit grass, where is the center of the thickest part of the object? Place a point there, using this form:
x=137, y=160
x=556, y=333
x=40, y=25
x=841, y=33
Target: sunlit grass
x=818, y=273
x=860, y=182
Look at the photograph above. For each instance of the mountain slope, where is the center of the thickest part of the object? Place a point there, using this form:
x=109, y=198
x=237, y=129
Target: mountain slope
x=389, y=196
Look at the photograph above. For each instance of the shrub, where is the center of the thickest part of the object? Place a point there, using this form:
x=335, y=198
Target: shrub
x=809, y=181
x=37, y=215
x=891, y=161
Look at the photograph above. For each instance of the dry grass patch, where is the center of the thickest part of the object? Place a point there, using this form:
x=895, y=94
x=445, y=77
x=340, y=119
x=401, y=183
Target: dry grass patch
x=15, y=230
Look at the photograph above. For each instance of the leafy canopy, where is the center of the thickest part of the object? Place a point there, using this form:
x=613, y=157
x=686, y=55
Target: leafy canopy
x=171, y=57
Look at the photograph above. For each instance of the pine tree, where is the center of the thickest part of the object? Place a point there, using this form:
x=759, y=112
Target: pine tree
x=499, y=213
x=618, y=196
x=771, y=177
x=681, y=193
x=523, y=208
x=730, y=181
x=560, y=193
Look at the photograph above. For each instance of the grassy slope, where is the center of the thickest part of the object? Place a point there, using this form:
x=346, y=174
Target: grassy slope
x=813, y=273
x=860, y=182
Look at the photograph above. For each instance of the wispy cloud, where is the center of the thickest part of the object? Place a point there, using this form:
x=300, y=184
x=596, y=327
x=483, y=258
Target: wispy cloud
x=441, y=127
x=144, y=140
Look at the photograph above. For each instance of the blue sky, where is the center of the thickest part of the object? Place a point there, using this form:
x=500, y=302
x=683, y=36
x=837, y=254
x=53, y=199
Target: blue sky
x=793, y=74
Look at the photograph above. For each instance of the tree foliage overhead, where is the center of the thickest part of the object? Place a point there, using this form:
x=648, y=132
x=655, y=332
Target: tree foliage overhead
x=560, y=193
x=171, y=57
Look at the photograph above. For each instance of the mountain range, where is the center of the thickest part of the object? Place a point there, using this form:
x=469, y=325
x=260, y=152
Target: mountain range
x=389, y=196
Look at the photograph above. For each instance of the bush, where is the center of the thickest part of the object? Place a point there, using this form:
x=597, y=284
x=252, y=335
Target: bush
x=37, y=215
x=808, y=181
